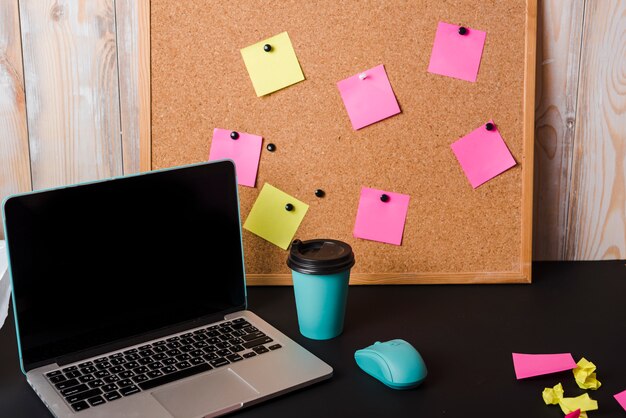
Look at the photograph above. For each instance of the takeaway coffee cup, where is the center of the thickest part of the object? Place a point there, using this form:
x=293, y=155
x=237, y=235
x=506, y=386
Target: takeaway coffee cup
x=321, y=271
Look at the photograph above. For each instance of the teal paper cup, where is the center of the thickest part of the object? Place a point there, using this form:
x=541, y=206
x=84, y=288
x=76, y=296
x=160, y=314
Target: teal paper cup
x=321, y=272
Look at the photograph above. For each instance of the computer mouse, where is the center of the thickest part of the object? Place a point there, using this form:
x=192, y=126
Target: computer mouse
x=396, y=363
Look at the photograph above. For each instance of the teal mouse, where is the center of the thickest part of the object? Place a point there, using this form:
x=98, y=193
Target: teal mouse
x=396, y=363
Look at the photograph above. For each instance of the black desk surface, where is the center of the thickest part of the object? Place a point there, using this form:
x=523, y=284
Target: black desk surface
x=466, y=335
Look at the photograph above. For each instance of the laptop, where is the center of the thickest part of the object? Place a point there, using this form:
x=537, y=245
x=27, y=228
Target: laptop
x=129, y=297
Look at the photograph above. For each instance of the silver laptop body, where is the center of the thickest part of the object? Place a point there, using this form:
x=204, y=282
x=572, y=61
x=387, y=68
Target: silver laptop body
x=237, y=358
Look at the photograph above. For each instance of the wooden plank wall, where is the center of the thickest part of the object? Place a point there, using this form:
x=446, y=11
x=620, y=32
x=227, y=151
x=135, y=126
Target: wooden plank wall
x=84, y=90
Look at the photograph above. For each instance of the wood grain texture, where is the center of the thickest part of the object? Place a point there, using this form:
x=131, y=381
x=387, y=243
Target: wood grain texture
x=558, y=61
x=145, y=107
x=597, y=210
x=452, y=232
x=70, y=66
x=132, y=23
x=14, y=156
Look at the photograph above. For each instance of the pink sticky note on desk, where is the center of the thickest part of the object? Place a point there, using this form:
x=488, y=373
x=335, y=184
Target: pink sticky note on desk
x=368, y=97
x=482, y=154
x=529, y=365
x=575, y=414
x=621, y=399
x=381, y=221
x=245, y=151
x=456, y=55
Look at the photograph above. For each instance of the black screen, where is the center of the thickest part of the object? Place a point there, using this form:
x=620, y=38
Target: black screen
x=101, y=262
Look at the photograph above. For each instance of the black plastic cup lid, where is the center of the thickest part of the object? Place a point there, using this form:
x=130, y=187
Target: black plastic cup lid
x=320, y=256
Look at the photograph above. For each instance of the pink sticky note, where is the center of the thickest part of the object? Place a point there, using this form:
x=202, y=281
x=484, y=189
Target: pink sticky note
x=368, y=97
x=456, y=55
x=483, y=154
x=529, y=365
x=621, y=399
x=381, y=221
x=574, y=414
x=245, y=151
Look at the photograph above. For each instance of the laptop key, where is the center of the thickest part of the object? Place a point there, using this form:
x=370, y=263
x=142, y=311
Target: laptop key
x=116, y=355
x=200, y=337
x=146, y=353
x=169, y=361
x=212, y=334
x=155, y=365
x=168, y=369
x=132, y=356
x=250, y=354
x=131, y=365
x=159, y=356
x=222, y=345
x=131, y=351
x=187, y=348
x=126, y=374
x=241, y=326
x=144, y=347
x=96, y=400
x=124, y=383
x=173, y=352
x=183, y=365
x=210, y=356
x=129, y=390
x=238, y=320
x=54, y=373
x=88, y=369
x=140, y=370
x=79, y=406
x=139, y=378
x=209, y=349
x=237, y=348
x=196, y=361
x=158, y=343
x=173, y=344
x=74, y=390
x=100, y=360
x=187, y=340
x=145, y=360
x=234, y=358
x=219, y=362
x=73, y=374
x=225, y=337
x=274, y=347
x=85, y=364
x=258, y=341
x=171, y=377
x=67, y=384
x=70, y=369
x=160, y=348
x=260, y=349
x=154, y=374
x=172, y=339
x=116, y=369
x=109, y=387
x=251, y=329
x=101, y=373
x=57, y=379
x=224, y=353
x=83, y=395
x=111, y=379
x=111, y=396
x=183, y=357
x=186, y=335
x=226, y=330
x=95, y=383
x=253, y=336
x=196, y=353
x=235, y=341
x=103, y=365
x=118, y=361
x=200, y=344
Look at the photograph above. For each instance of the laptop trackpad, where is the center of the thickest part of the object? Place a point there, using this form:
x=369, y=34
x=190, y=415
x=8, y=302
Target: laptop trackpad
x=221, y=391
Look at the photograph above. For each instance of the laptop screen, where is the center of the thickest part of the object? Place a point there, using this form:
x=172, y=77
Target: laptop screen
x=101, y=262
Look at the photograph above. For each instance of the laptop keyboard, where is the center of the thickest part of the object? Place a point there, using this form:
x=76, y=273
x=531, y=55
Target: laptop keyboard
x=107, y=378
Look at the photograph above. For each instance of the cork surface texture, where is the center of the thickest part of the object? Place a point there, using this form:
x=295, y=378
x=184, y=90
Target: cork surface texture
x=199, y=82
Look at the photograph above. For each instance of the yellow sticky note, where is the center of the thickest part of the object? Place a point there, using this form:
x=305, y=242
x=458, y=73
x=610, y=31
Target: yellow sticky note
x=585, y=376
x=270, y=219
x=552, y=396
x=274, y=69
x=582, y=402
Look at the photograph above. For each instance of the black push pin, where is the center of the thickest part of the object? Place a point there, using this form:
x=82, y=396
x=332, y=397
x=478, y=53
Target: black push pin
x=462, y=30
x=489, y=126
x=271, y=147
x=384, y=198
x=234, y=135
x=320, y=193
x=288, y=207
x=267, y=47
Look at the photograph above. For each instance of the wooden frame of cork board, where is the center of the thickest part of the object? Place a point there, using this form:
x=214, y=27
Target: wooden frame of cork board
x=453, y=233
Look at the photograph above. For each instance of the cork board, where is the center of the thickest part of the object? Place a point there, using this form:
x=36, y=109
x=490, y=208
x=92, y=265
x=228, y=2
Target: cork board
x=453, y=233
